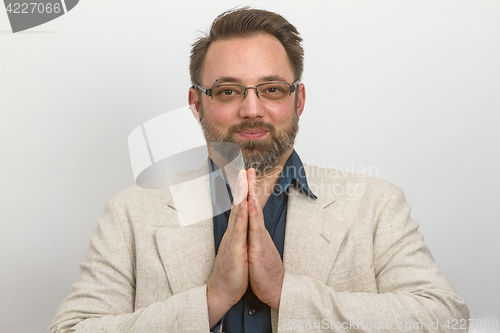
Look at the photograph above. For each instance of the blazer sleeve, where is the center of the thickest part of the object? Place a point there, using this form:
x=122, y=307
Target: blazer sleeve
x=411, y=294
x=102, y=299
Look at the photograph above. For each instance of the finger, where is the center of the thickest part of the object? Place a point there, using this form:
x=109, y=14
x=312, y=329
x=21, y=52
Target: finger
x=240, y=194
x=235, y=211
x=241, y=191
x=256, y=220
x=252, y=184
x=241, y=225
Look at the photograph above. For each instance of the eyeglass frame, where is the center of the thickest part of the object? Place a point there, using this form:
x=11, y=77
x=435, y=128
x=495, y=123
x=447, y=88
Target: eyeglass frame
x=208, y=91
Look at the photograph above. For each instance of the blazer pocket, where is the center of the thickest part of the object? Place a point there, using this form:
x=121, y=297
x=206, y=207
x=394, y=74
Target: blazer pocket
x=364, y=282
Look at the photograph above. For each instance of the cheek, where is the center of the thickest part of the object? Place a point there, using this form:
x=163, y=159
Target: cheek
x=220, y=117
x=281, y=114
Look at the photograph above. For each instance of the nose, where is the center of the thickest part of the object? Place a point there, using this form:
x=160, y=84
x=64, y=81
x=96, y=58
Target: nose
x=251, y=106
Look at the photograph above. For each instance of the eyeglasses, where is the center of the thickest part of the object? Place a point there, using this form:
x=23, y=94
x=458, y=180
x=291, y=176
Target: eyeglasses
x=228, y=93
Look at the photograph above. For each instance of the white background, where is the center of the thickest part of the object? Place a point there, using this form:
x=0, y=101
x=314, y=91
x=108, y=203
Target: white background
x=408, y=88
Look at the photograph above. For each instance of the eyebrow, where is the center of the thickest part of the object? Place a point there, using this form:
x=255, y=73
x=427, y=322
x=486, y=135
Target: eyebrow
x=226, y=79
x=230, y=79
x=274, y=78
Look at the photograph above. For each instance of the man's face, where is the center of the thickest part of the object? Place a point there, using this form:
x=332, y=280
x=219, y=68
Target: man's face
x=264, y=129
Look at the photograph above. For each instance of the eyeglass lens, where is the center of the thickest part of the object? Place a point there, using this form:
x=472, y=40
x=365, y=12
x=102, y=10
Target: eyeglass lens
x=270, y=91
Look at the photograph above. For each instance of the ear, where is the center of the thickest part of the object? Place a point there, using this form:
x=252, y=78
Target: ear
x=194, y=103
x=301, y=99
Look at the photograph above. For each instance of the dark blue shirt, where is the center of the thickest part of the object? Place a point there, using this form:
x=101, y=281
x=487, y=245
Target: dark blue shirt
x=250, y=314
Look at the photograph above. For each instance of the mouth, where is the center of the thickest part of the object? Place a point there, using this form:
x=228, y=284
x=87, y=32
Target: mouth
x=252, y=134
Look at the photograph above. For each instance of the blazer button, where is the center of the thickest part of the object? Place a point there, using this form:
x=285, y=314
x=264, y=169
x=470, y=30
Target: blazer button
x=251, y=312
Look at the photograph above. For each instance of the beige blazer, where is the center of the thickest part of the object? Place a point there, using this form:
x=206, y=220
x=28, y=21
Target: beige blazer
x=354, y=261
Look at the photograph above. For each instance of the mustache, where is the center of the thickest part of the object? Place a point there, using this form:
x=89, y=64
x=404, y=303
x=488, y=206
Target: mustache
x=251, y=125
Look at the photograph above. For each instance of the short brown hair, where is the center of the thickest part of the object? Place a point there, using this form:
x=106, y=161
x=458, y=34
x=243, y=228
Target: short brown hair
x=247, y=22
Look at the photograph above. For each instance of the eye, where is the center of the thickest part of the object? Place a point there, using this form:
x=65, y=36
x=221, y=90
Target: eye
x=227, y=92
x=274, y=89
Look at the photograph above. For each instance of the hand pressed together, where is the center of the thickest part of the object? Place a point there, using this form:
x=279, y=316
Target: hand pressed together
x=247, y=254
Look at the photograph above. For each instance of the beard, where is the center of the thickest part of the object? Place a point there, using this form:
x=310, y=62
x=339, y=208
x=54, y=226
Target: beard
x=257, y=154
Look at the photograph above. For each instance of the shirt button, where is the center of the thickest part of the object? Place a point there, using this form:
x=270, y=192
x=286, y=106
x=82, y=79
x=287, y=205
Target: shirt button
x=251, y=312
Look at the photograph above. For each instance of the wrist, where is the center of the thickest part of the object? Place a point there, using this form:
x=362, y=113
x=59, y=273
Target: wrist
x=274, y=300
x=217, y=306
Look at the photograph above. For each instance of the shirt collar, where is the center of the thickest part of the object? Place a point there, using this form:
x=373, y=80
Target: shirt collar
x=294, y=170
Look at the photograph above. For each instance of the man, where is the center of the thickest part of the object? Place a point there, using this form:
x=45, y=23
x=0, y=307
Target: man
x=299, y=250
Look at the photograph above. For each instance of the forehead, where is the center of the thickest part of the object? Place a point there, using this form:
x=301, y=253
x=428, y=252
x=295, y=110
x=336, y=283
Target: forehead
x=249, y=60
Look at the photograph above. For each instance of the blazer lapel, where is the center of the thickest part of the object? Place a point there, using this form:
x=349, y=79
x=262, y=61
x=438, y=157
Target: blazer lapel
x=186, y=244
x=313, y=236
x=187, y=254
